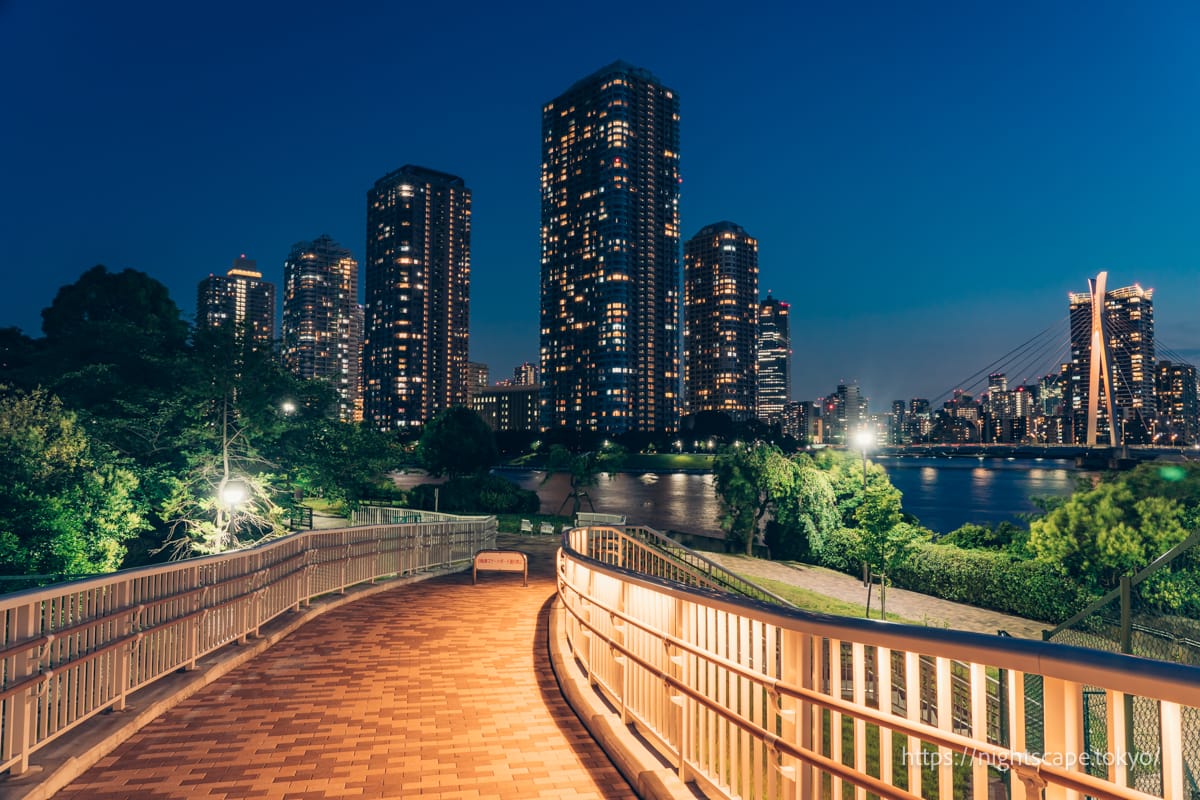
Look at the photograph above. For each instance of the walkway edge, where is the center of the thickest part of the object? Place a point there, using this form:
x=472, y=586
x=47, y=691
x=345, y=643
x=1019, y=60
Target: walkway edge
x=62, y=761
x=645, y=773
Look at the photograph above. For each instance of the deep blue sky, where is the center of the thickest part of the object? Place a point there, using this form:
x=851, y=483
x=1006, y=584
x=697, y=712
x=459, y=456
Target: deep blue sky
x=926, y=180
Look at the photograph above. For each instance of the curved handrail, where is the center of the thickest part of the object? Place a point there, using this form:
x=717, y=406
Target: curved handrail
x=73, y=650
x=704, y=675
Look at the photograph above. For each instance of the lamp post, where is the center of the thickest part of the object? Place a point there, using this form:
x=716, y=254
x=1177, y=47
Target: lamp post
x=231, y=495
x=864, y=439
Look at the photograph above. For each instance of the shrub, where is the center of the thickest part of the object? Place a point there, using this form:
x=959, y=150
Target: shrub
x=985, y=578
x=995, y=580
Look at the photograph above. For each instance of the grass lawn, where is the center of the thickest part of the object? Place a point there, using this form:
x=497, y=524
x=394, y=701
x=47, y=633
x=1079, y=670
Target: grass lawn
x=811, y=601
x=667, y=462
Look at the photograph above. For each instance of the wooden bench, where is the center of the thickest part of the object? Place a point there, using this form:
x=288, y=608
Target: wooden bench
x=526, y=526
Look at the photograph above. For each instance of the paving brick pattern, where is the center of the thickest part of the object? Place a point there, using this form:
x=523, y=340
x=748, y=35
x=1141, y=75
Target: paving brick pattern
x=438, y=689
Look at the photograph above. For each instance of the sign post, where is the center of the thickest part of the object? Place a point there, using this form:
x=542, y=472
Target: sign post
x=501, y=561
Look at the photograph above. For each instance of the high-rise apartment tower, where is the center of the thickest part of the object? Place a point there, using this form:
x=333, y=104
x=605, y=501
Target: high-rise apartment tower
x=240, y=298
x=774, y=358
x=720, y=313
x=417, y=297
x=322, y=320
x=610, y=254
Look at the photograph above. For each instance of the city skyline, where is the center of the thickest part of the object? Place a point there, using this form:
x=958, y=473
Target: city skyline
x=934, y=172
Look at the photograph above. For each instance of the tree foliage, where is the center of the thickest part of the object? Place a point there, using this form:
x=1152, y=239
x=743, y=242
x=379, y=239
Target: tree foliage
x=883, y=542
x=457, y=442
x=69, y=505
x=1118, y=526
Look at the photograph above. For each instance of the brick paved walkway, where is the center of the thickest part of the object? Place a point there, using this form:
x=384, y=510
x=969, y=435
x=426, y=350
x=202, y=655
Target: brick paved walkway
x=437, y=689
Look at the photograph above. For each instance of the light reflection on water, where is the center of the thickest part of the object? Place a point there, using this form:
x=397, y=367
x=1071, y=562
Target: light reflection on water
x=943, y=493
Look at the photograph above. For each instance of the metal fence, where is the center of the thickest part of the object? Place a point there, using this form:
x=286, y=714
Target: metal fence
x=757, y=701
x=68, y=652
x=647, y=551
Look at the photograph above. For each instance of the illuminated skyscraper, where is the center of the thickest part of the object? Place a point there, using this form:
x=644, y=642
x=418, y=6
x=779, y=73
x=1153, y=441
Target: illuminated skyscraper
x=1178, y=404
x=774, y=358
x=720, y=312
x=322, y=321
x=1128, y=323
x=240, y=298
x=610, y=254
x=417, y=297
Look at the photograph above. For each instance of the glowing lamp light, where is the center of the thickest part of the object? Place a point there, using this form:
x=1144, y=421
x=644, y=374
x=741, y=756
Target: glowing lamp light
x=233, y=493
x=289, y=407
x=864, y=439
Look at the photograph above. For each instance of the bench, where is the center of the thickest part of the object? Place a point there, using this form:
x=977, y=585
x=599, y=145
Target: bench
x=547, y=529
x=526, y=526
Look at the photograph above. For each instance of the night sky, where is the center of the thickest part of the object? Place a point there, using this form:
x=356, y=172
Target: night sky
x=926, y=180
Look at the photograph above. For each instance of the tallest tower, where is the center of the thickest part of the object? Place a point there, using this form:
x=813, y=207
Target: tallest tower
x=610, y=254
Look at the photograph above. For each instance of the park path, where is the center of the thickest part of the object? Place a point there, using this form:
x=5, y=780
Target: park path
x=435, y=689
x=920, y=608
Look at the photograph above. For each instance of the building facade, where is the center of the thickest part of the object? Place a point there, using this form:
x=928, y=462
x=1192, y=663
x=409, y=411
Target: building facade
x=610, y=254
x=418, y=278
x=240, y=298
x=1178, y=404
x=1128, y=323
x=774, y=358
x=322, y=320
x=720, y=313
x=508, y=408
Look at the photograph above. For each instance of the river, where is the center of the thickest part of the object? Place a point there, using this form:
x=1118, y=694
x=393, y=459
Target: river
x=943, y=493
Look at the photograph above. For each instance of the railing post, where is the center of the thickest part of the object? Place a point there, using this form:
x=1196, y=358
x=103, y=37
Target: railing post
x=122, y=656
x=1063, y=713
x=193, y=624
x=26, y=665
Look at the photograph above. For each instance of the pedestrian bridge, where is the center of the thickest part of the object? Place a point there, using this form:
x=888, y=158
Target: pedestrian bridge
x=691, y=684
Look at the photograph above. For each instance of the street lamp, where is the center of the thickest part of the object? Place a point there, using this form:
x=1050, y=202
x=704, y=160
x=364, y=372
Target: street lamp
x=864, y=439
x=288, y=407
x=231, y=495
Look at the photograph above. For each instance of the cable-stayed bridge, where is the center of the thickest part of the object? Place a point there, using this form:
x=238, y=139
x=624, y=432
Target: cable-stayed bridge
x=1095, y=384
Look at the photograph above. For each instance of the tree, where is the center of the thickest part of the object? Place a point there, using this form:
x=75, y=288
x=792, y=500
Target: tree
x=457, y=442
x=1114, y=529
x=749, y=481
x=883, y=542
x=583, y=470
x=69, y=505
x=806, y=516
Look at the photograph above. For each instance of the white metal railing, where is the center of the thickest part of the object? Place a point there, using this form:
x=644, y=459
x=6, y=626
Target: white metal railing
x=69, y=651
x=386, y=515
x=758, y=701
x=649, y=552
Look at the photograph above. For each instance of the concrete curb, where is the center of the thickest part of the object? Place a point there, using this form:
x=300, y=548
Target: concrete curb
x=649, y=777
x=62, y=761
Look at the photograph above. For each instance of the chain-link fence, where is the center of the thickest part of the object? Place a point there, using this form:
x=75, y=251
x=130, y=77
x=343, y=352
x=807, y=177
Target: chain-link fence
x=1134, y=619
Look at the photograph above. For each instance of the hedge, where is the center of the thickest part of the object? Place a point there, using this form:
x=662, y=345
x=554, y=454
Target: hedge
x=985, y=578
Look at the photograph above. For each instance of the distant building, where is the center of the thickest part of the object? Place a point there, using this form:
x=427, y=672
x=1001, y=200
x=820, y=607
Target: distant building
x=240, y=298
x=844, y=412
x=477, y=378
x=801, y=421
x=418, y=277
x=526, y=374
x=720, y=312
x=774, y=357
x=897, y=425
x=508, y=408
x=610, y=254
x=322, y=320
x=1178, y=405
